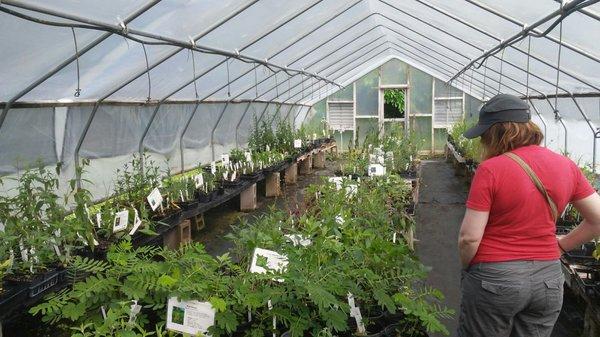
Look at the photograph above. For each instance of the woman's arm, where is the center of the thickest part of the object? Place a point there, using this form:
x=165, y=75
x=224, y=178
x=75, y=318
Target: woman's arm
x=471, y=232
x=589, y=228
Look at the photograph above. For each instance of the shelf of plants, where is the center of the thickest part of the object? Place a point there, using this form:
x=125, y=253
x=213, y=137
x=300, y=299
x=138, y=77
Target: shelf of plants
x=342, y=268
x=46, y=230
x=581, y=266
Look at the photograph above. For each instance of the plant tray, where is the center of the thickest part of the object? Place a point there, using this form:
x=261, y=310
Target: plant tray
x=12, y=298
x=187, y=205
x=46, y=282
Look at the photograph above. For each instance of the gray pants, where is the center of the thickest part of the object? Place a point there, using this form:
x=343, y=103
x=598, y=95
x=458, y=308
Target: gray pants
x=510, y=299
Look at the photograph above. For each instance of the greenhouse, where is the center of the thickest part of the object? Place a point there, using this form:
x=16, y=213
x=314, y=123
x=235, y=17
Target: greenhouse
x=299, y=168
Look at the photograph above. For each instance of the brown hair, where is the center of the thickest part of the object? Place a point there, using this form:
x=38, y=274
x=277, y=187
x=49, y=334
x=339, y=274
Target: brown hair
x=507, y=136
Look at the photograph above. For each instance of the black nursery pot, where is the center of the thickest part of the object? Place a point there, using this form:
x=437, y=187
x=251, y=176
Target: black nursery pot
x=250, y=176
x=203, y=197
x=187, y=205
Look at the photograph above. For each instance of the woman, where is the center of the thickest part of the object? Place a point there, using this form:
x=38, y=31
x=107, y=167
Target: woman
x=512, y=284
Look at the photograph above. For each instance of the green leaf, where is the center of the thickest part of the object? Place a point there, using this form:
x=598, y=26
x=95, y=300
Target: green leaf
x=166, y=281
x=218, y=304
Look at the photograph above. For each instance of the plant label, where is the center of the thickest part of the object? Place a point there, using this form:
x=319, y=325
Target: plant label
x=380, y=159
x=355, y=313
x=376, y=170
x=24, y=255
x=233, y=175
x=297, y=143
x=337, y=181
x=137, y=222
x=248, y=156
x=314, y=136
x=339, y=219
x=225, y=175
x=268, y=148
x=189, y=317
x=155, y=199
x=298, y=240
x=213, y=168
x=225, y=159
x=99, y=219
x=121, y=219
x=394, y=237
x=199, y=180
x=270, y=307
x=103, y=311
x=1, y=226
x=264, y=261
x=372, y=159
x=351, y=190
x=135, y=310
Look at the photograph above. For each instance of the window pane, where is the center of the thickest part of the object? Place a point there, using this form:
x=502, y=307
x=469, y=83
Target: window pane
x=367, y=94
x=440, y=136
x=366, y=127
x=345, y=94
x=421, y=125
x=420, y=95
x=394, y=71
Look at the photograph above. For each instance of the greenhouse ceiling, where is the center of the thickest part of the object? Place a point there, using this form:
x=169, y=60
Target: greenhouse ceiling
x=294, y=52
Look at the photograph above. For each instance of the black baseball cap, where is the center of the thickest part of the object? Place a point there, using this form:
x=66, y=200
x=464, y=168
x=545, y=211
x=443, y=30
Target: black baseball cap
x=500, y=108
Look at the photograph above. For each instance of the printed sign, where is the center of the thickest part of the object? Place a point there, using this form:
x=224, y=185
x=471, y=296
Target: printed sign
x=376, y=170
x=225, y=159
x=189, y=317
x=155, y=199
x=351, y=190
x=248, y=156
x=199, y=180
x=264, y=260
x=297, y=143
x=121, y=219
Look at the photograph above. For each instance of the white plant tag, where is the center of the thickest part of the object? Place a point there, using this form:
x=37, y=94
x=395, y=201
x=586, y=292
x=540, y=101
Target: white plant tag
x=270, y=306
x=155, y=199
x=103, y=311
x=268, y=148
x=213, y=167
x=314, y=136
x=394, y=237
x=248, y=156
x=339, y=219
x=121, y=219
x=264, y=260
x=57, y=250
x=135, y=310
x=24, y=255
x=298, y=240
x=99, y=219
x=297, y=143
x=372, y=159
x=233, y=175
x=355, y=313
x=2, y=226
x=199, y=180
x=225, y=159
x=225, y=174
x=376, y=170
x=189, y=317
x=137, y=222
x=337, y=181
x=351, y=190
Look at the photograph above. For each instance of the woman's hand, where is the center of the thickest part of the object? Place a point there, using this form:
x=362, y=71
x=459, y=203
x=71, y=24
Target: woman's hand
x=471, y=232
x=589, y=228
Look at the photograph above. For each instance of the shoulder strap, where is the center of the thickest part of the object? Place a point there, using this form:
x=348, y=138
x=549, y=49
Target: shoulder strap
x=536, y=181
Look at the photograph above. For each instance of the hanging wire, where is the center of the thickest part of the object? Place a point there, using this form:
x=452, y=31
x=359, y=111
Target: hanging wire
x=484, y=79
x=194, y=71
x=276, y=85
x=78, y=90
x=558, y=65
x=228, y=82
x=147, y=73
x=256, y=80
x=501, y=66
x=471, y=83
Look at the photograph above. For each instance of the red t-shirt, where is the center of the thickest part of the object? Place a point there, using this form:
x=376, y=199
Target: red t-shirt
x=520, y=225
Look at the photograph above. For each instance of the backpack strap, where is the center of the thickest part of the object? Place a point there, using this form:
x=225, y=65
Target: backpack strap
x=536, y=181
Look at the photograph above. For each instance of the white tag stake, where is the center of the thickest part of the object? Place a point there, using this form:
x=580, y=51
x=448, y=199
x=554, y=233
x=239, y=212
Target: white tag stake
x=270, y=306
x=355, y=313
x=394, y=238
x=137, y=222
x=199, y=180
